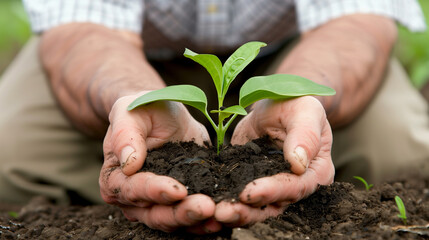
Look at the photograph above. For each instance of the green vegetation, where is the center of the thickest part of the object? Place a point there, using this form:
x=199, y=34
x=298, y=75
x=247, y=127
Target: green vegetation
x=14, y=30
x=277, y=86
x=367, y=186
x=402, y=212
x=413, y=51
x=13, y=214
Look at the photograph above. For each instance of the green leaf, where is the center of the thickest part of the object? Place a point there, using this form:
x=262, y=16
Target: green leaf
x=186, y=94
x=238, y=61
x=402, y=212
x=233, y=109
x=280, y=86
x=236, y=109
x=367, y=186
x=211, y=63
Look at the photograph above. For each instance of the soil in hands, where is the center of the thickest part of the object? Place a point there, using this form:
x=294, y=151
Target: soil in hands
x=338, y=211
x=222, y=176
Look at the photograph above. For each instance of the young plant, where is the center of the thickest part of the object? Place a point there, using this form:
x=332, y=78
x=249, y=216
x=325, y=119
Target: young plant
x=402, y=212
x=277, y=86
x=367, y=186
x=13, y=214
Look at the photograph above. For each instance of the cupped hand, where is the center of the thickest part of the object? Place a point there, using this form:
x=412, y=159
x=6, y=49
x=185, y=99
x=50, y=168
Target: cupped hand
x=160, y=202
x=299, y=127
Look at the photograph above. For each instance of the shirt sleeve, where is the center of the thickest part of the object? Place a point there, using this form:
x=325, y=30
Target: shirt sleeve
x=116, y=14
x=312, y=13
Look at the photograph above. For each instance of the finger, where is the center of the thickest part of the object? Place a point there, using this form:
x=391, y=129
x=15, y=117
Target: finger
x=141, y=189
x=244, y=131
x=197, y=133
x=191, y=211
x=238, y=214
x=173, y=122
x=285, y=187
x=304, y=133
x=206, y=227
x=128, y=142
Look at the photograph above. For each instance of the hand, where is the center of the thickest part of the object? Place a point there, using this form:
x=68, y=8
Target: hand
x=158, y=201
x=300, y=128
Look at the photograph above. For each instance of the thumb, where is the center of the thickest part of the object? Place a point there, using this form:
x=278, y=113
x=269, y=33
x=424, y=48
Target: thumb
x=298, y=158
x=131, y=150
x=128, y=141
x=244, y=131
x=303, y=140
x=132, y=157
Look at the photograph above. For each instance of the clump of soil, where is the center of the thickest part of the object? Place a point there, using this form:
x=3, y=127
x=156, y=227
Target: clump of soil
x=222, y=176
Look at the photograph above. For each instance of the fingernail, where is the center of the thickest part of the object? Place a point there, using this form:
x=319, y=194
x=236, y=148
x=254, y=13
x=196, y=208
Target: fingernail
x=193, y=215
x=301, y=156
x=125, y=155
x=211, y=226
x=166, y=197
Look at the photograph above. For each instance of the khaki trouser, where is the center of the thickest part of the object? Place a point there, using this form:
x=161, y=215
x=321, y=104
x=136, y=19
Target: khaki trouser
x=42, y=154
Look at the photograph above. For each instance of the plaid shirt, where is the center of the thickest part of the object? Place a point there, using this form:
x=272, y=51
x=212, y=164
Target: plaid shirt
x=168, y=26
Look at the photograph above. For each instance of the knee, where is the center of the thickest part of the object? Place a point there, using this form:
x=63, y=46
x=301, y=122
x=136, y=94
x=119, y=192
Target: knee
x=383, y=143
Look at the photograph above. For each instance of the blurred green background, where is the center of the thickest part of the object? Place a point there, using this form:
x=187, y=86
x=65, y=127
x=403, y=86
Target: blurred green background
x=14, y=30
x=412, y=48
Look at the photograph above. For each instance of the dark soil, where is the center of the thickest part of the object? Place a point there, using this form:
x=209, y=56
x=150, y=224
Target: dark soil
x=338, y=211
x=222, y=176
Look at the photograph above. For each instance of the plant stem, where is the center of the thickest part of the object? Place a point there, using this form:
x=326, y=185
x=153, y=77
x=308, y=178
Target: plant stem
x=216, y=128
x=220, y=133
x=230, y=121
x=222, y=130
x=220, y=137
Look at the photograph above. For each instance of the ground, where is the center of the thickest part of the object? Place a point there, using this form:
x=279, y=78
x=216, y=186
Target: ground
x=338, y=211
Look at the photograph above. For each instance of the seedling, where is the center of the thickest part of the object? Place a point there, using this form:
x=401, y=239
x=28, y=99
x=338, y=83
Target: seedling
x=367, y=186
x=402, y=212
x=13, y=214
x=276, y=86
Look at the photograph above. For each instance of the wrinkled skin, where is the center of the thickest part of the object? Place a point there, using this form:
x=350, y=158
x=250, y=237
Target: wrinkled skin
x=162, y=202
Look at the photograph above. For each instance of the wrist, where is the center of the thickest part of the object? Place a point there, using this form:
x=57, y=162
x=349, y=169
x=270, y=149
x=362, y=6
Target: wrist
x=103, y=98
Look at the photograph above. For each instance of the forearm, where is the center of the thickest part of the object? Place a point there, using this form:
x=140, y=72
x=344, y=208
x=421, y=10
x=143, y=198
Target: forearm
x=349, y=54
x=90, y=67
